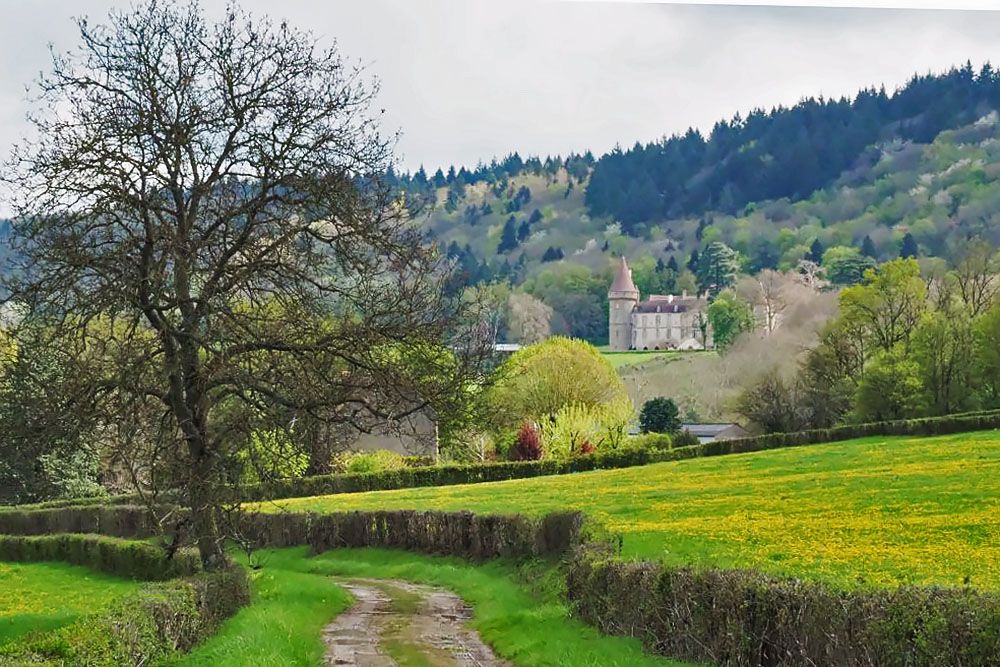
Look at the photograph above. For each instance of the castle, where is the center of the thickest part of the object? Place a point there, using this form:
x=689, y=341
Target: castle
x=658, y=323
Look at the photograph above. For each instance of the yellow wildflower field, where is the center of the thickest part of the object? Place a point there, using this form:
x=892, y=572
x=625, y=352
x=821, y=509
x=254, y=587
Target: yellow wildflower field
x=42, y=596
x=869, y=512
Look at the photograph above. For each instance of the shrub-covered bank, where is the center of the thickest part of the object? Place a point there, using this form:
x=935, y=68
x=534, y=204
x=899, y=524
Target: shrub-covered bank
x=125, y=558
x=494, y=472
x=141, y=629
x=449, y=475
x=742, y=617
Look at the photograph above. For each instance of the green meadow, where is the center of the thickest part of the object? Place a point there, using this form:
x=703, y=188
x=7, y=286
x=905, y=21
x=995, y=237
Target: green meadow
x=872, y=511
x=45, y=596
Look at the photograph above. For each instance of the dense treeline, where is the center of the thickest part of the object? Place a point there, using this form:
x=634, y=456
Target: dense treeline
x=787, y=152
x=903, y=345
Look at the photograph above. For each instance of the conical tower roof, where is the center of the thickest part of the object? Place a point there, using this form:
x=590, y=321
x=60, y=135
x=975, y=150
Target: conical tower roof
x=622, y=285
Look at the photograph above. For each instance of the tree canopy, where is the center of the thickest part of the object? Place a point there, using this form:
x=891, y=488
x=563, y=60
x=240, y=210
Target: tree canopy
x=213, y=192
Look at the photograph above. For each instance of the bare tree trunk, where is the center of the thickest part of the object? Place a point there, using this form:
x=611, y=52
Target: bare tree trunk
x=203, y=500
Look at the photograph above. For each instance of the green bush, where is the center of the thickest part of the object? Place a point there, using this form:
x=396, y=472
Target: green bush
x=685, y=438
x=379, y=460
x=141, y=629
x=655, y=443
x=659, y=415
x=271, y=455
x=125, y=558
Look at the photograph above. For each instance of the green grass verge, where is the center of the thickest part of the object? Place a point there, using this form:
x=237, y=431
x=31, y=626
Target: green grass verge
x=295, y=597
x=283, y=624
x=631, y=358
x=45, y=596
x=875, y=511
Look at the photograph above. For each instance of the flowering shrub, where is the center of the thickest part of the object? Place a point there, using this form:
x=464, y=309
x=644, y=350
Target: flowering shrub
x=527, y=445
x=604, y=427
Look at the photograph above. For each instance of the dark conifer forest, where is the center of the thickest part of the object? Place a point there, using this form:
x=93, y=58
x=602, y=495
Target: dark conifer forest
x=785, y=152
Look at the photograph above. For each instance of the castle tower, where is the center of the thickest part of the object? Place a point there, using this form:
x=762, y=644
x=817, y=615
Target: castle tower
x=622, y=299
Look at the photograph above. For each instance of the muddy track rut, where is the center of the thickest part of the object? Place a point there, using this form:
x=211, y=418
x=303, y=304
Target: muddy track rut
x=396, y=622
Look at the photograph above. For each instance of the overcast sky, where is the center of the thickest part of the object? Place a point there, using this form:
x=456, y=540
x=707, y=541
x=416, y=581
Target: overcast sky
x=466, y=80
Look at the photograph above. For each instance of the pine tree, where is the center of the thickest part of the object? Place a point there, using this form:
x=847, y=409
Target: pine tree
x=438, y=179
x=672, y=265
x=816, y=251
x=717, y=268
x=868, y=247
x=508, y=238
x=693, y=261
x=523, y=231
x=909, y=247
x=552, y=254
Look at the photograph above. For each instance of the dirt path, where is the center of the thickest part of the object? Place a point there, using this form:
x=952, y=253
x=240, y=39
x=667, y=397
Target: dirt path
x=396, y=622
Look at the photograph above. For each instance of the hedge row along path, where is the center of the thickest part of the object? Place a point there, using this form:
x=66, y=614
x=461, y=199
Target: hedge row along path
x=395, y=622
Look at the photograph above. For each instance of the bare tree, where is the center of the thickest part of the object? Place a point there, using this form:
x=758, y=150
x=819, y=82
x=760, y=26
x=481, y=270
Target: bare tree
x=976, y=276
x=209, y=195
x=530, y=318
x=767, y=292
x=810, y=274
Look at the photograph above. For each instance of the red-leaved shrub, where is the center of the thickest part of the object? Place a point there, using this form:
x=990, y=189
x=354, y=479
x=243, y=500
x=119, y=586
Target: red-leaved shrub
x=527, y=445
x=586, y=448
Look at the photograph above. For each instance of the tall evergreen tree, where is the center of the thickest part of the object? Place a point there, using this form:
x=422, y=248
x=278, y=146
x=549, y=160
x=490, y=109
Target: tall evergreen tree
x=717, y=268
x=693, y=261
x=816, y=251
x=508, y=238
x=908, y=248
x=868, y=247
x=523, y=231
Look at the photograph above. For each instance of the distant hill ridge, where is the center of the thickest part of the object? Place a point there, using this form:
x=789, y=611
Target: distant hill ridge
x=777, y=186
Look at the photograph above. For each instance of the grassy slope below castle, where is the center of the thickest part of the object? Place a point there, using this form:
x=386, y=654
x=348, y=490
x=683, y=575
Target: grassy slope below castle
x=875, y=511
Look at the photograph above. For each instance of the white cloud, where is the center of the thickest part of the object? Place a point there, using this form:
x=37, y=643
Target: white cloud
x=467, y=80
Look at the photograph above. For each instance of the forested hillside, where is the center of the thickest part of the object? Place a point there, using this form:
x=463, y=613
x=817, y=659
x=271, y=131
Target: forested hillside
x=839, y=182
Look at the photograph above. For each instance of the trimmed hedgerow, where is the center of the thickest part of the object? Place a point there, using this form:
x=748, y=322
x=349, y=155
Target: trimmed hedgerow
x=475, y=536
x=125, y=558
x=142, y=628
x=464, y=534
x=114, y=520
x=742, y=617
x=926, y=426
